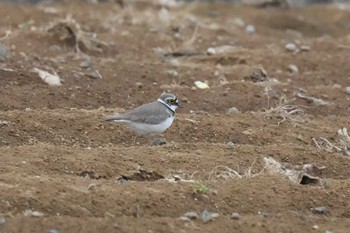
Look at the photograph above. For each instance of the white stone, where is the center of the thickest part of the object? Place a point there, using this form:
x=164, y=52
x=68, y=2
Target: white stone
x=293, y=68
x=291, y=47
x=250, y=28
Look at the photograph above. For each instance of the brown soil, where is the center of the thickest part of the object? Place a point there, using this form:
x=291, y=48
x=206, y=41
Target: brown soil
x=58, y=156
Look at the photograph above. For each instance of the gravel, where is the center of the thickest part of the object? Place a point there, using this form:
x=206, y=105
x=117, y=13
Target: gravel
x=235, y=216
x=3, y=52
x=233, y=110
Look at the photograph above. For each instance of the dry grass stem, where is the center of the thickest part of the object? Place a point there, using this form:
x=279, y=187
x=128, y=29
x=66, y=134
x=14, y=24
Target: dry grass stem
x=285, y=111
x=7, y=35
x=223, y=172
x=323, y=143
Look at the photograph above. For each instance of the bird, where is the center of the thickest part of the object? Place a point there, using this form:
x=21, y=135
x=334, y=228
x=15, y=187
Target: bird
x=152, y=118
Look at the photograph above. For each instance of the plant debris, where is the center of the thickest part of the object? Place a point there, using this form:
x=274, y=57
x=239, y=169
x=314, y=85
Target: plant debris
x=69, y=29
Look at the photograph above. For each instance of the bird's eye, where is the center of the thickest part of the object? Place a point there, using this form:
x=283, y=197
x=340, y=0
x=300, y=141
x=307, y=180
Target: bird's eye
x=171, y=101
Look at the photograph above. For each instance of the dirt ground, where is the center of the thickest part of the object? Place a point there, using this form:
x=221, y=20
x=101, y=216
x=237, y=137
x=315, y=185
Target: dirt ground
x=63, y=169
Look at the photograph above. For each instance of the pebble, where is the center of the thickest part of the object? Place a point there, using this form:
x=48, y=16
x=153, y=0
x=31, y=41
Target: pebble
x=232, y=110
x=264, y=214
x=293, y=68
x=92, y=186
x=235, y=216
x=211, y=51
x=185, y=219
x=2, y=220
x=347, y=90
x=191, y=215
x=139, y=84
x=55, y=48
x=315, y=227
x=172, y=73
x=305, y=48
x=231, y=145
x=250, y=28
x=159, y=141
x=291, y=47
x=184, y=99
x=208, y=216
x=31, y=213
x=85, y=64
x=3, y=52
x=319, y=210
x=239, y=22
x=53, y=231
x=95, y=74
x=24, y=56
x=5, y=123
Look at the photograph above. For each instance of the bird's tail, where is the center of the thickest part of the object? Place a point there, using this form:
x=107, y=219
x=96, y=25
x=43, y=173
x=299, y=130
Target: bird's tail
x=115, y=117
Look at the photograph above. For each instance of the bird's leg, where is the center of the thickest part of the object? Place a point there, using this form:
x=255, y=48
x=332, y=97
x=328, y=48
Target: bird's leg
x=135, y=137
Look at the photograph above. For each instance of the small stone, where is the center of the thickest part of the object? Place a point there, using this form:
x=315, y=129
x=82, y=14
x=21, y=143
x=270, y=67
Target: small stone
x=291, y=47
x=95, y=74
x=293, y=69
x=159, y=141
x=85, y=64
x=258, y=75
x=92, y=186
x=231, y=145
x=347, y=90
x=250, y=28
x=2, y=220
x=198, y=152
x=138, y=84
x=191, y=215
x=264, y=214
x=305, y=48
x=5, y=123
x=247, y=132
x=211, y=51
x=55, y=48
x=31, y=213
x=319, y=210
x=53, y=231
x=185, y=219
x=300, y=138
x=3, y=52
x=235, y=216
x=122, y=180
x=239, y=22
x=172, y=73
x=24, y=56
x=184, y=99
x=232, y=110
x=336, y=86
x=208, y=216
x=201, y=85
x=315, y=227
x=329, y=231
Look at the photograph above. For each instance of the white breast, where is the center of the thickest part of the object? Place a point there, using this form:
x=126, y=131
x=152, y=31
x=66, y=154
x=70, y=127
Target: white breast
x=143, y=129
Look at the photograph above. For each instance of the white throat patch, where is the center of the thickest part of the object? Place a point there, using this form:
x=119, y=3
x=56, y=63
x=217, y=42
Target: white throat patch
x=172, y=107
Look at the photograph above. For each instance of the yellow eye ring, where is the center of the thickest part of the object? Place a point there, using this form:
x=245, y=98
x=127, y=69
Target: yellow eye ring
x=171, y=101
